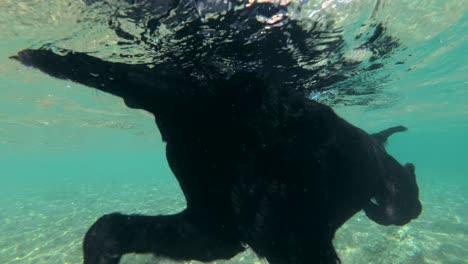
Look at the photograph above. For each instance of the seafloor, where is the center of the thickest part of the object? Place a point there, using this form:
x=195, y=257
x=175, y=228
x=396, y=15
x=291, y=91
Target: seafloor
x=47, y=226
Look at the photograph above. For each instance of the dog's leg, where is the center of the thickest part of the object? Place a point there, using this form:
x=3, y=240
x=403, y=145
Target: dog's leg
x=176, y=236
x=383, y=135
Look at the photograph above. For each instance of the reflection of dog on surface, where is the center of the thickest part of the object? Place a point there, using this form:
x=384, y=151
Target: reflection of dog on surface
x=259, y=166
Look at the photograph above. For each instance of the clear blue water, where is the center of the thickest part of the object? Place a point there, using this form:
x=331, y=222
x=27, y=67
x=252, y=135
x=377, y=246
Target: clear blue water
x=69, y=154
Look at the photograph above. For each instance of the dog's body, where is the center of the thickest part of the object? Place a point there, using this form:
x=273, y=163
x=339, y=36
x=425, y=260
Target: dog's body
x=259, y=166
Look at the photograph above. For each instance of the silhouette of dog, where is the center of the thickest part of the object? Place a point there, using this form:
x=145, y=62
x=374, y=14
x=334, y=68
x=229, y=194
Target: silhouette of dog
x=259, y=166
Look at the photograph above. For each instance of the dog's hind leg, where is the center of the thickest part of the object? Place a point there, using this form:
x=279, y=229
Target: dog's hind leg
x=178, y=237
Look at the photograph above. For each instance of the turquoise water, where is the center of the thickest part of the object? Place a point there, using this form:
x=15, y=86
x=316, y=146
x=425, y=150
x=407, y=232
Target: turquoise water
x=69, y=154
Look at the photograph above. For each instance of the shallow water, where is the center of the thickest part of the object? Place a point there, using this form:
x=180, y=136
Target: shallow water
x=69, y=154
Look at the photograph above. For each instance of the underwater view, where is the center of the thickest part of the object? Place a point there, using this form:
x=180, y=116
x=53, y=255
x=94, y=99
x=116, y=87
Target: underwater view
x=70, y=153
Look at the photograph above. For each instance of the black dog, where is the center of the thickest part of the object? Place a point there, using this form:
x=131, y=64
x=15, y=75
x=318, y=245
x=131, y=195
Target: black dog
x=259, y=165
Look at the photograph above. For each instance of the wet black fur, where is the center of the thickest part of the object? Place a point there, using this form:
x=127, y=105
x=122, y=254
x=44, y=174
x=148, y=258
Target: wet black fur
x=259, y=166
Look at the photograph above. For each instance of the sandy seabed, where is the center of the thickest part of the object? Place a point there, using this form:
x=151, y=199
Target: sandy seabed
x=46, y=227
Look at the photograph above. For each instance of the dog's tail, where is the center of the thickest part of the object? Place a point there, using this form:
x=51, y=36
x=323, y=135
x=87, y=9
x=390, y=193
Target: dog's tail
x=140, y=86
